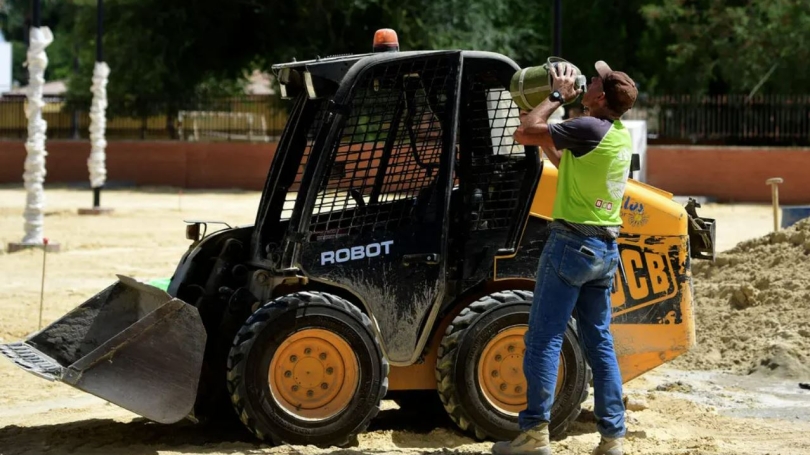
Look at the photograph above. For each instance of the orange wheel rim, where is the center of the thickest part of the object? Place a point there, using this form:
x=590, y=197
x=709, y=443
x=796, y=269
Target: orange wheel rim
x=500, y=371
x=314, y=374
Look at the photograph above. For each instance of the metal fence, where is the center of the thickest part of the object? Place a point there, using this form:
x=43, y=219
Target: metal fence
x=256, y=118
x=782, y=120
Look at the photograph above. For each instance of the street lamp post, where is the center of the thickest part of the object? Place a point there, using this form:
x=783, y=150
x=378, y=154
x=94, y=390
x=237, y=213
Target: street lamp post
x=99, y=59
x=558, y=28
x=34, y=175
x=98, y=122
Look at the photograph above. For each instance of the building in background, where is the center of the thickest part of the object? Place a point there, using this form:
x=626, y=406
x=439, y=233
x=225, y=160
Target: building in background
x=5, y=64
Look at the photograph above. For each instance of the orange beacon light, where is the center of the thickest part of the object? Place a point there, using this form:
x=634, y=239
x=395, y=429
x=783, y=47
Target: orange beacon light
x=385, y=40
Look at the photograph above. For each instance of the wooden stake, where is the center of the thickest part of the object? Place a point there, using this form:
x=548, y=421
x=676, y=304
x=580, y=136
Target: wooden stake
x=774, y=183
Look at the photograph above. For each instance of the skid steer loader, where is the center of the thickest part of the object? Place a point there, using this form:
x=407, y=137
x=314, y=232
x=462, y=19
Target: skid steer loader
x=394, y=252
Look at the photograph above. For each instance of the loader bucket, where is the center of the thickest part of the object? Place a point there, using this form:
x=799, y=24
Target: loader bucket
x=131, y=344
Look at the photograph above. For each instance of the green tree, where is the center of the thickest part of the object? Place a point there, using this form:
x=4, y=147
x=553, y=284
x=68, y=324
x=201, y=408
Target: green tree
x=173, y=51
x=16, y=21
x=720, y=46
x=614, y=31
x=515, y=28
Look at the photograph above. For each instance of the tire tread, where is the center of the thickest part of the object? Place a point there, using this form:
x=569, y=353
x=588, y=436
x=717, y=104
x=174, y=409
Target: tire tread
x=242, y=342
x=445, y=363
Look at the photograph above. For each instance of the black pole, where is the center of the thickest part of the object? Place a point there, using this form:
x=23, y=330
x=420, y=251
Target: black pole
x=99, y=30
x=36, y=16
x=99, y=58
x=74, y=117
x=558, y=28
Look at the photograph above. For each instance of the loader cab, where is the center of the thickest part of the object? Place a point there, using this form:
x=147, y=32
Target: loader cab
x=397, y=179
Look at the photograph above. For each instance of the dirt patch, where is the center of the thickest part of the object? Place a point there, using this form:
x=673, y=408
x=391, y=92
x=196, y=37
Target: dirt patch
x=753, y=307
x=677, y=386
x=666, y=425
x=144, y=238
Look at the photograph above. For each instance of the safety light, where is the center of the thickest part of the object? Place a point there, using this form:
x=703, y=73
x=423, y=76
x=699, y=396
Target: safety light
x=193, y=231
x=385, y=40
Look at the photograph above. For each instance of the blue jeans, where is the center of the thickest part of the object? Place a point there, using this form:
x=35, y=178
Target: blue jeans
x=575, y=276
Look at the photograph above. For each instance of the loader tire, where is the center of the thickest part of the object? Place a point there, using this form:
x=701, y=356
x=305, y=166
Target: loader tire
x=306, y=368
x=486, y=338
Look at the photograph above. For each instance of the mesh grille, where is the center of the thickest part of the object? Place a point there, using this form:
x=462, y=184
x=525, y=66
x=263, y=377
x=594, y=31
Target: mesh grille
x=312, y=132
x=384, y=168
x=496, y=162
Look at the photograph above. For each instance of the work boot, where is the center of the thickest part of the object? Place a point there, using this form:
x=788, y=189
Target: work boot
x=529, y=442
x=609, y=446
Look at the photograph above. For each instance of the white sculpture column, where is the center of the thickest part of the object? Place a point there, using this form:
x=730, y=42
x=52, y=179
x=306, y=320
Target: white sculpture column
x=96, y=164
x=34, y=175
x=98, y=123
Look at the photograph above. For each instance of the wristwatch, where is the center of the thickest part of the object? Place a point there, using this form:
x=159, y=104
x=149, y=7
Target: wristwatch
x=556, y=96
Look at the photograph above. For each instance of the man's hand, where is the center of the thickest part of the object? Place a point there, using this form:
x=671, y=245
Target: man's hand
x=563, y=81
x=533, y=129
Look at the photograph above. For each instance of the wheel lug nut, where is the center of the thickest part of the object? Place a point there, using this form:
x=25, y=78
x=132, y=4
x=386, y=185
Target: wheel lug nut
x=511, y=348
x=498, y=357
x=295, y=388
x=307, y=351
x=322, y=356
x=518, y=389
x=503, y=386
x=287, y=374
x=330, y=370
x=324, y=386
x=494, y=373
x=293, y=358
x=310, y=393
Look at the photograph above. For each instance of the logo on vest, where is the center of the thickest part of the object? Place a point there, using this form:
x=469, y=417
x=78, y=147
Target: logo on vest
x=604, y=205
x=618, y=173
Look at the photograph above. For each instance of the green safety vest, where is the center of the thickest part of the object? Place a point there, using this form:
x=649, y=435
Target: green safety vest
x=590, y=188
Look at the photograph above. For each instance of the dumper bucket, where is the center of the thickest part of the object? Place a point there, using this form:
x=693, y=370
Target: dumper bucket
x=131, y=344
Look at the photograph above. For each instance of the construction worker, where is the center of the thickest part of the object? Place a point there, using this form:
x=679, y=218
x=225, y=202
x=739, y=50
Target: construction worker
x=578, y=263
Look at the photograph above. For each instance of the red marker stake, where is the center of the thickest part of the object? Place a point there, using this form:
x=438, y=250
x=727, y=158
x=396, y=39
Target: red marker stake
x=42, y=286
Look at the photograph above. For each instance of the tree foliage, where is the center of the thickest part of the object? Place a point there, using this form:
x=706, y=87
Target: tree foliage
x=15, y=21
x=735, y=45
x=176, y=50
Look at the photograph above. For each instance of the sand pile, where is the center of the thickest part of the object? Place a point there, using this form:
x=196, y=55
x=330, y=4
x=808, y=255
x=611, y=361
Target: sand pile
x=753, y=307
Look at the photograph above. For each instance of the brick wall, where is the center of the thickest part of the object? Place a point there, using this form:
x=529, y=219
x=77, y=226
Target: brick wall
x=730, y=174
x=180, y=164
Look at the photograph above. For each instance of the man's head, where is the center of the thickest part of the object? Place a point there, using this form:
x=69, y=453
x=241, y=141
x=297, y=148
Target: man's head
x=612, y=92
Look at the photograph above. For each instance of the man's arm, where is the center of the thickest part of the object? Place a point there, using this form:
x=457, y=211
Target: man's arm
x=553, y=155
x=533, y=129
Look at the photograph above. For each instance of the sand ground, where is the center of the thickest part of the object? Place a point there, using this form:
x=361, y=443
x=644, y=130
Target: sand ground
x=684, y=412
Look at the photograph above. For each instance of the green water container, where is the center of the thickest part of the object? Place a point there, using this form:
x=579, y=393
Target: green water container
x=531, y=85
